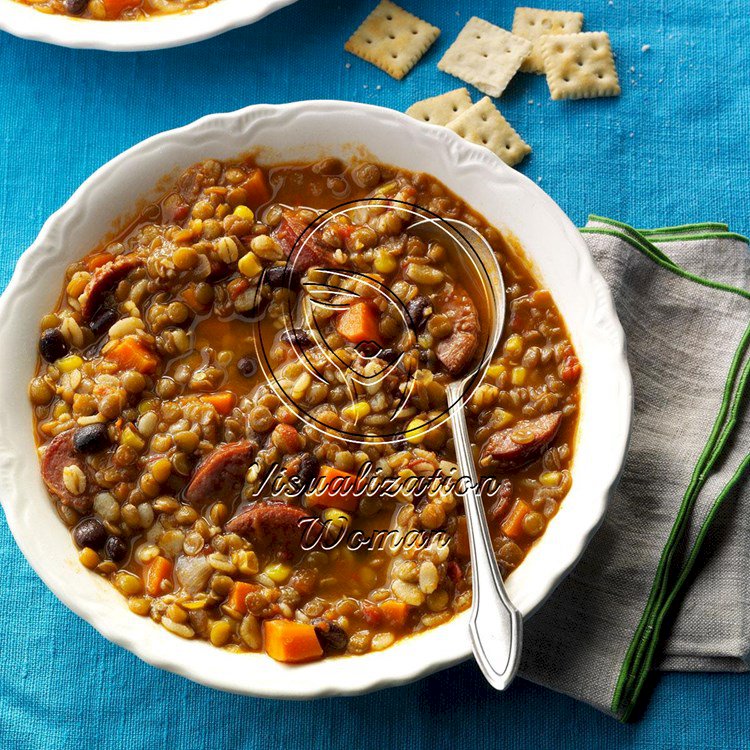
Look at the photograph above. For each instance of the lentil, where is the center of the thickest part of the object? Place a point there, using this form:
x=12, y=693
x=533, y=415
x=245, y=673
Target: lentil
x=172, y=442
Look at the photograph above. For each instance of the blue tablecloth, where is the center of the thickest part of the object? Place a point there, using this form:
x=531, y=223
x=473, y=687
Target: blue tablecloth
x=673, y=148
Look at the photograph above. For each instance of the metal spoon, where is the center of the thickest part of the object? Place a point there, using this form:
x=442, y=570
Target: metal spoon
x=495, y=624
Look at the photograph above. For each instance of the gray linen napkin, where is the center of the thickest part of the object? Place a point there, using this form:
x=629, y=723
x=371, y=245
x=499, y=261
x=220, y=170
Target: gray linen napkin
x=683, y=296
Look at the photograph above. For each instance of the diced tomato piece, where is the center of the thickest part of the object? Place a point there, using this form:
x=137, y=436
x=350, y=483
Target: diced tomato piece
x=571, y=368
x=371, y=614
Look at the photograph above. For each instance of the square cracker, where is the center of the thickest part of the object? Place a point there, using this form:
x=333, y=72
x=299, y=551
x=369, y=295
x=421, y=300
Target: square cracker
x=580, y=66
x=533, y=23
x=440, y=110
x=392, y=39
x=485, y=56
x=484, y=125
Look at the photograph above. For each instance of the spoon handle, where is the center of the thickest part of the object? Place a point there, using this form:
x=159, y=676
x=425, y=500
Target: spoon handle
x=495, y=624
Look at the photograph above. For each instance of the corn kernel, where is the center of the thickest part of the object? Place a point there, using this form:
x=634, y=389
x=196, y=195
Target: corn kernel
x=355, y=412
x=416, y=431
x=249, y=265
x=518, y=376
x=384, y=262
x=514, y=345
x=502, y=418
x=278, y=572
x=495, y=371
x=243, y=212
x=69, y=363
x=89, y=559
x=550, y=478
x=132, y=439
x=336, y=518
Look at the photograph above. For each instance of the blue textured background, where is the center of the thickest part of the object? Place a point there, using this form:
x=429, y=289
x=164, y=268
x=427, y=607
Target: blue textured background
x=673, y=148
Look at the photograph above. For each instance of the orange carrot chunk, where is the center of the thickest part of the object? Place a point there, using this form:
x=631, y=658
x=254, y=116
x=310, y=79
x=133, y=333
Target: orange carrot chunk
x=395, y=613
x=100, y=259
x=256, y=188
x=131, y=354
x=463, y=549
x=159, y=571
x=114, y=8
x=238, y=595
x=291, y=642
x=359, y=323
x=334, y=489
x=513, y=524
x=223, y=401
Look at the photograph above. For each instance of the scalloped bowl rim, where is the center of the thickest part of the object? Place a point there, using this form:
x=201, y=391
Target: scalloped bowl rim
x=158, y=32
x=309, y=130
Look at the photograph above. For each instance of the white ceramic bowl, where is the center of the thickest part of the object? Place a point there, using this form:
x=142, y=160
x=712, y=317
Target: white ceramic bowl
x=158, y=32
x=308, y=130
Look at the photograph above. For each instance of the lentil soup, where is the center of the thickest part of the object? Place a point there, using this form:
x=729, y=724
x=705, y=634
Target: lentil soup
x=116, y=10
x=161, y=408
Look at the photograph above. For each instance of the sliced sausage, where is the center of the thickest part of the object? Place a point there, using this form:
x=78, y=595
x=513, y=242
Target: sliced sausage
x=221, y=472
x=301, y=256
x=103, y=281
x=60, y=453
x=457, y=351
x=277, y=526
x=524, y=442
x=502, y=502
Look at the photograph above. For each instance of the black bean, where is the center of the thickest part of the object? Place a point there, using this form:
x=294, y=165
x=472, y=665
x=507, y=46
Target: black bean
x=103, y=321
x=368, y=348
x=247, y=366
x=283, y=276
x=308, y=469
x=389, y=355
x=427, y=357
x=90, y=533
x=52, y=344
x=295, y=336
x=76, y=7
x=419, y=309
x=116, y=549
x=92, y=438
x=332, y=637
